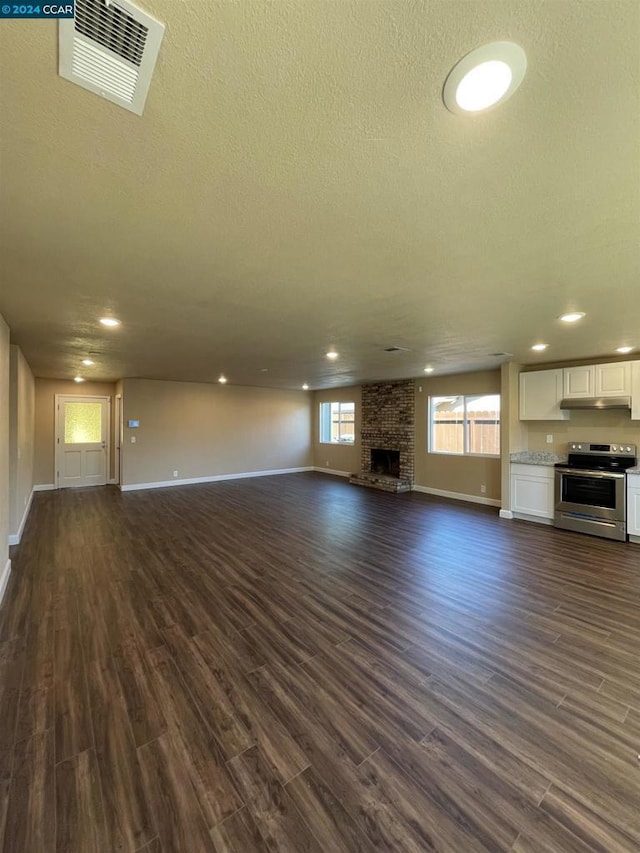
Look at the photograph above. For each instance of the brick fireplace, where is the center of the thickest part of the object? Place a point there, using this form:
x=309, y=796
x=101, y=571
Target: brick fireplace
x=387, y=424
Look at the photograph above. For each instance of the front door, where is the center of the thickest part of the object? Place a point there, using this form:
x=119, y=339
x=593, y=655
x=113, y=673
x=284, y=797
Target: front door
x=82, y=441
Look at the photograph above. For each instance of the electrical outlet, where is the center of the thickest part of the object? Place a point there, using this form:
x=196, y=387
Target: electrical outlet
x=483, y=489
x=549, y=439
x=175, y=473
x=327, y=463
x=133, y=439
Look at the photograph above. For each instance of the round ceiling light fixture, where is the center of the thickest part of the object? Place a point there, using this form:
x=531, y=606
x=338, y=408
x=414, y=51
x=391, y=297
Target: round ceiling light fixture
x=305, y=387
x=484, y=78
x=87, y=362
x=539, y=347
x=572, y=316
x=78, y=379
x=428, y=370
x=332, y=354
x=110, y=322
x=624, y=350
x=222, y=380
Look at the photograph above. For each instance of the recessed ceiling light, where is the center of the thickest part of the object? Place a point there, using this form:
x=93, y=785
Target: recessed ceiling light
x=305, y=387
x=485, y=77
x=428, y=370
x=539, y=347
x=572, y=316
x=78, y=379
x=624, y=350
x=222, y=380
x=109, y=321
x=332, y=354
x=87, y=362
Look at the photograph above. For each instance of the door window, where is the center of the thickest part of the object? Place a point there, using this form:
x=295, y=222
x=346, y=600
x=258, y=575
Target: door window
x=83, y=423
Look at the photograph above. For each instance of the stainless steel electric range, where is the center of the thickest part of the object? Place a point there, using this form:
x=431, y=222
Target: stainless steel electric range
x=590, y=489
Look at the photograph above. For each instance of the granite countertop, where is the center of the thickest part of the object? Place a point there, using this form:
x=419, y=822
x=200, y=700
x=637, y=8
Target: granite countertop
x=537, y=457
x=635, y=470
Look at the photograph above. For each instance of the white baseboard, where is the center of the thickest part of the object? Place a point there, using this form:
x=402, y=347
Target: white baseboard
x=14, y=538
x=4, y=578
x=133, y=487
x=44, y=487
x=635, y=539
x=333, y=471
x=537, y=519
x=112, y=482
x=457, y=496
x=506, y=513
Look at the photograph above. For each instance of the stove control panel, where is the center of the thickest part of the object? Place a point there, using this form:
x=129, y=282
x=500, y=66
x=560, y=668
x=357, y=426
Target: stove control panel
x=602, y=449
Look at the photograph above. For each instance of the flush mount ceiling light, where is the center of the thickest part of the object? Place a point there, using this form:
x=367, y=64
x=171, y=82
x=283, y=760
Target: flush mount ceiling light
x=624, y=350
x=332, y=354
x=222, y=380
x=484, y=78
x=305, y=387
x=572, y=316
x=428, y=370
x=539, y=347
x=109, y=321
x=78, y=379
x=87, y=362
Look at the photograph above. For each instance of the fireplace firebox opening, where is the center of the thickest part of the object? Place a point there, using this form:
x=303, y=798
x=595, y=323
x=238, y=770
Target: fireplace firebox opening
x=385, y=462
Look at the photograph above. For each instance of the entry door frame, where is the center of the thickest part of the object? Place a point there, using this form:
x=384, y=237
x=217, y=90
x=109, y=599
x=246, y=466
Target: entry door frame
x=58, y=430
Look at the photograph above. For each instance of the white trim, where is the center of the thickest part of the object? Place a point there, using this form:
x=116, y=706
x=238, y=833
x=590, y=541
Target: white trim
x=14, y=538
x=112, y=482
x=4, y=578
x=164, y=484
x=117, y=441
x=457, y=496
x=333, y=471
x=44, y=487
x=635, y=539
x=538, y=519
x=506, y=513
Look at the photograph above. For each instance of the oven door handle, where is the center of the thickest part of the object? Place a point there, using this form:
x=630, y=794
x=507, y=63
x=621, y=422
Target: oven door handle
x=580, y=472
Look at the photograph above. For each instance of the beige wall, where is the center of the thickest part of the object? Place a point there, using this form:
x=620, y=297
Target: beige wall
x=204, y=430
x=4, y=448
x=21, y=437
x=461, y=474
x=45, y=421
x=612, y=425
x=336, y=457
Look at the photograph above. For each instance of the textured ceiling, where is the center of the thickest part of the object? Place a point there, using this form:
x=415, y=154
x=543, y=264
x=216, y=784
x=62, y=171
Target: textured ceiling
x=296, y=183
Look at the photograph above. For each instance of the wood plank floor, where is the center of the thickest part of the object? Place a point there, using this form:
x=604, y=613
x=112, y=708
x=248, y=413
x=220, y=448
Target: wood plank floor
x=296, y=664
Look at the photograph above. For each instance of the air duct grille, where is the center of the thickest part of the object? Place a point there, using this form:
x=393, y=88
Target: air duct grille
x=112, y=28
x=105, y=71
x=111, y=48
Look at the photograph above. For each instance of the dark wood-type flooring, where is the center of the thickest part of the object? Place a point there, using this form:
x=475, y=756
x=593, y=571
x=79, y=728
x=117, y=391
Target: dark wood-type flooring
x=295, y=664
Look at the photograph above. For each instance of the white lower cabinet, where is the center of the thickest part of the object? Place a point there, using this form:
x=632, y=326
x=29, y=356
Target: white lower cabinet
x=633, y=505
x=532, y=491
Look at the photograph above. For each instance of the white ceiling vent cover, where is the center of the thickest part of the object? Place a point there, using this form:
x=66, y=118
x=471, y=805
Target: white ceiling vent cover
x=111, y=48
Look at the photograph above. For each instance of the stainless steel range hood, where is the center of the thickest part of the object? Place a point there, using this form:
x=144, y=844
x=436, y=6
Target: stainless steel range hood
x=596, y=403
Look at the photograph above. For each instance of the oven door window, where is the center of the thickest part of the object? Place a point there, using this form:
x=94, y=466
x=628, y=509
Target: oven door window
x=589, y=491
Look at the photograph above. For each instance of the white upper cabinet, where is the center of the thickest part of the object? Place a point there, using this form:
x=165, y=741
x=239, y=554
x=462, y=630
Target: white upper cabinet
x=613, y=380
x=580, y=381
x=635, y=390
x=540, y=395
